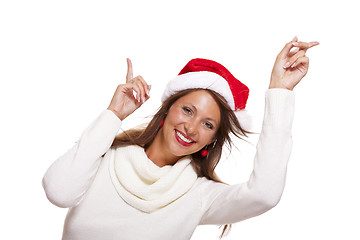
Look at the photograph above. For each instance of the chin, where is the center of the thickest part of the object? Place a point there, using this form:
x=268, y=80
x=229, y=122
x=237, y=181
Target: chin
x=180, y=151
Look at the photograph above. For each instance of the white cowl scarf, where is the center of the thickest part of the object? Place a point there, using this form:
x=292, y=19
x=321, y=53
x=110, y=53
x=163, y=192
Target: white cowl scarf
x=143, y=184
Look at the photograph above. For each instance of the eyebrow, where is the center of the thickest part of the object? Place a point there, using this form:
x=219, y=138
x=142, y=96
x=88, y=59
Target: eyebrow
x=208, y=118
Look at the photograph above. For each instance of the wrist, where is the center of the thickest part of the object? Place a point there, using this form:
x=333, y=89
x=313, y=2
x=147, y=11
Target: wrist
x=281, y=87
x=276, y=84
x=121, y=117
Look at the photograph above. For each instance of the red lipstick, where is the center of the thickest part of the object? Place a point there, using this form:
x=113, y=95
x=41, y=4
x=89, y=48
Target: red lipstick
x=182, y=142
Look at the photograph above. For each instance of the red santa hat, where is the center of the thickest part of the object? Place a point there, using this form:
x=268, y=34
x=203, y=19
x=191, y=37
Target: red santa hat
x=208, y=74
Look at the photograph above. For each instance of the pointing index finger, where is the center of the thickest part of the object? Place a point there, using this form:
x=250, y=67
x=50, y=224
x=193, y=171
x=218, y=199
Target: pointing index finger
x=305, y=45
x=129, y=74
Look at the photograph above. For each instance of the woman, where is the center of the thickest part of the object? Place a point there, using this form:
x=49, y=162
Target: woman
x=159, y=182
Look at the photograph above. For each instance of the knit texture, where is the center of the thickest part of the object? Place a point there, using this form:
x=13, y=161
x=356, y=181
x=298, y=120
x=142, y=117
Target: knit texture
x=144, y=185
x=80, y=180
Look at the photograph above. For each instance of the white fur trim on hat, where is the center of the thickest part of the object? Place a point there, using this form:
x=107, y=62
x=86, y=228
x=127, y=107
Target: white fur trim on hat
x=203, y=79
x=245, y=119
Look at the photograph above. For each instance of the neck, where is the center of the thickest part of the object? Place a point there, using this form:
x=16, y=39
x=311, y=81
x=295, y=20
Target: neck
x=158, y=155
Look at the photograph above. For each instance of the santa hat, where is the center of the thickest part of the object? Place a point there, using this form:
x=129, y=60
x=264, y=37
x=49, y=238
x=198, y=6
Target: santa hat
x=208, y=74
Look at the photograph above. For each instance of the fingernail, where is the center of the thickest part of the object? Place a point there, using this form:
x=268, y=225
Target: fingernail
x=287, y=65
x=295, y=43
x=294, y=39
x=294, y=64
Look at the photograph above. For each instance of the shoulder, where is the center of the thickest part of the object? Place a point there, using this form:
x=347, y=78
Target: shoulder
x=131, y=147
x=210, y=187
x=210, y=190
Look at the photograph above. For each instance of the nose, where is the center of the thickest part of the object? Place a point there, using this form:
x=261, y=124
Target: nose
x=190, y=128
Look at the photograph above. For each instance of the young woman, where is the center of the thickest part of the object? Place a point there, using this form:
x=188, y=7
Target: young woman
x=159, y=182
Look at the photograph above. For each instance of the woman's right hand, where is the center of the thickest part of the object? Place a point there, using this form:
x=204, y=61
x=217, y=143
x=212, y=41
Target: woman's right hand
x=291, y=67
x=124, y=102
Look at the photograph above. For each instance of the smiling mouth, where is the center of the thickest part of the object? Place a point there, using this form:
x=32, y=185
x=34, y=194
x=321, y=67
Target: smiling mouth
x=182, y=139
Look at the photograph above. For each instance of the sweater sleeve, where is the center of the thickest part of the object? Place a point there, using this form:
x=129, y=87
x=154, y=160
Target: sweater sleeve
x=69, y=177
x=226, y=204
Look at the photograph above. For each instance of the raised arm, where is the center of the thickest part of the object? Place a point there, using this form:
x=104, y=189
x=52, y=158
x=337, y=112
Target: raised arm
x=70, y=176
x=224, y=204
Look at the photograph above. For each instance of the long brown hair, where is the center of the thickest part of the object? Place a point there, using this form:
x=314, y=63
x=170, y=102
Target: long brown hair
x=228, y=124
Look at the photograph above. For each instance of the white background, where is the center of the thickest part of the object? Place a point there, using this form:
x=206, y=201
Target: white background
x=61, y=61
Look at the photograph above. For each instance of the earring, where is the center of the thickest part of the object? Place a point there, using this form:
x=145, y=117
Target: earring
x=204, y=152
x=162, y=123
x=214, y=143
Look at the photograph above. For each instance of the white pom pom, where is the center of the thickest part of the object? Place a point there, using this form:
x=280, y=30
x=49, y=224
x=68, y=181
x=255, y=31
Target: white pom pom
x=245, y=119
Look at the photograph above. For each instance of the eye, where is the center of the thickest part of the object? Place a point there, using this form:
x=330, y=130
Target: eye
x=209, y=125
x=187, y=110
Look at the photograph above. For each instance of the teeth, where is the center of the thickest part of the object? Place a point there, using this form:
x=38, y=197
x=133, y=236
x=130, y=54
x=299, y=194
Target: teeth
x=182, y=137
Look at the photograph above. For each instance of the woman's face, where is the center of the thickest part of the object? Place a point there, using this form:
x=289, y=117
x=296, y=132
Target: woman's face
x=191, y=123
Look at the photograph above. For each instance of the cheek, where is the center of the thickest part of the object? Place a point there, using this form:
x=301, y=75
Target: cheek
x=206, y=136
x=175, y=117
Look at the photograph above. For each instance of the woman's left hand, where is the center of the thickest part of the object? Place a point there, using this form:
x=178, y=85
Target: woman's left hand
x=291, y=67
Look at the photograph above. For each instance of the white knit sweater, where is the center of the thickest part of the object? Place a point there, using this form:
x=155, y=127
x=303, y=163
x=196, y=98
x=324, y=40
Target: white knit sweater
x=81, y=181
